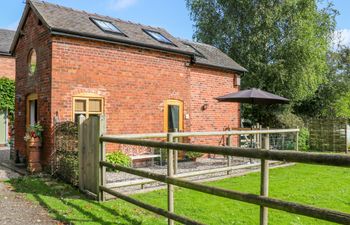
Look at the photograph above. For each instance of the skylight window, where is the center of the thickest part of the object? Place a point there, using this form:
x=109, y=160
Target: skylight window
x=159, y=37
x=197, y=53
x=106, y=26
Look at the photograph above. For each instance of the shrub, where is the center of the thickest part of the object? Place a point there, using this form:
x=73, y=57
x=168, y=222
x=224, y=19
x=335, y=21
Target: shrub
x=118, y=158
x=289, y=120
x=304, y=136
x=194, y=155
x=68, y=168
x=7, y=94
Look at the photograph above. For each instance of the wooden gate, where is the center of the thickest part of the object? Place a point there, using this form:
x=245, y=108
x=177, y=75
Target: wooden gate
x=89, y=132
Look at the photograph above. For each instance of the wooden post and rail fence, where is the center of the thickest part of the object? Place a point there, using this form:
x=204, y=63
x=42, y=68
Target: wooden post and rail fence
x=92, y=138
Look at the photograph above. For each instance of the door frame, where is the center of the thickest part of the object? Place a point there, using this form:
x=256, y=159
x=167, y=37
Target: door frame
x=181, y=113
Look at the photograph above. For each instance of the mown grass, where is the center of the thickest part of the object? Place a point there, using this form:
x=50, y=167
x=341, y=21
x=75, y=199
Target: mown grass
x=320, y=186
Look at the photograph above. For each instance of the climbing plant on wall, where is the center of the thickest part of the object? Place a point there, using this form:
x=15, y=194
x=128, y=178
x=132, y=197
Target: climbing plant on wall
x=7, y=94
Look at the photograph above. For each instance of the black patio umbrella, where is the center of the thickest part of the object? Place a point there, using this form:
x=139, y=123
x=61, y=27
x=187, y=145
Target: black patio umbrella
x=253, y=96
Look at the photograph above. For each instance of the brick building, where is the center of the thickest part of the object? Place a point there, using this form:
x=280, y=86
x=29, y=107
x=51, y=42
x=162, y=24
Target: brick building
x=71, y=62
x=7, y=69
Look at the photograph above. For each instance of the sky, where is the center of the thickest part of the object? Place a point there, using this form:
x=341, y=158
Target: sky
x=169, y=14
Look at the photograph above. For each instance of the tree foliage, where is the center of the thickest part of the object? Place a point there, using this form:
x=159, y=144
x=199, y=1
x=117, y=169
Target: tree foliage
x=7, y=94
x=331, y=98
x=283, y=44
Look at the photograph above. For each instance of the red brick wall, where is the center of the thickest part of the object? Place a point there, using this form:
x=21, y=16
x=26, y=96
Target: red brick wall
x=133, y=82
x=206, y=84
x=37, y=37
x=7, y=67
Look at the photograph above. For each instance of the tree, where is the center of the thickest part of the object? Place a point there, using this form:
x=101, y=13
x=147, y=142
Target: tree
x=331, y=98
x=283, y=43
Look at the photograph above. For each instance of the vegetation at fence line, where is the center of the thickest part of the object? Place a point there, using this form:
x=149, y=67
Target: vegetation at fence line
x=7, y=94
x=64, y=158
x=304, y=139
x=119, y=158
x=68, y=168
x=194, y=155
x=321, y=186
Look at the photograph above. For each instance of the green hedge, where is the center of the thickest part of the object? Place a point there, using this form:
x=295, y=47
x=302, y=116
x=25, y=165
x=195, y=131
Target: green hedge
x=68, y=168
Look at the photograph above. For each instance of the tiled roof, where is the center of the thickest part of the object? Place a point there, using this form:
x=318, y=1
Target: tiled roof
x=6, y=38
x=66, y=21
x=211, y=56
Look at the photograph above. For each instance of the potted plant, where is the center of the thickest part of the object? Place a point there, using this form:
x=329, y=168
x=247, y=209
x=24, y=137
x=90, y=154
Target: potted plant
x=33, y=135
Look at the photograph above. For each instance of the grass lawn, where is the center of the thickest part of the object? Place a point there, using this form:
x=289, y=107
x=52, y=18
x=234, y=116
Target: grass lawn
x=324, y=186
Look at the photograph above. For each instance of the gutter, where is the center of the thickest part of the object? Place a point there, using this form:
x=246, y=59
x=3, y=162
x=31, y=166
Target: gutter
x=5, y=53
x=240, y=72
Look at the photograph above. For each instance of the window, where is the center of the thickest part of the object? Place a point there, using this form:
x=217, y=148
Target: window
x=32, y=59
x=87, y=106
x=158, y=36
x=106, y=26
x=197, y=53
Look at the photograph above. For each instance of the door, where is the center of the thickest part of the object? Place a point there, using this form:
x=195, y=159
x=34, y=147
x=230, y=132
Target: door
x=3, y=127
x=173, y=116
x=173, y=120
x=32, y=110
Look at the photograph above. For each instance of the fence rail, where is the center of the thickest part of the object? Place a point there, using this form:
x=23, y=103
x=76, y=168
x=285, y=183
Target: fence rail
x=97, y=139
x=288, y=156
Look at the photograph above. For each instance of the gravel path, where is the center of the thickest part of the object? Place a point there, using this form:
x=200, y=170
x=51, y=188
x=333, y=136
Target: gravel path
x=183, y=167
x=14, y=208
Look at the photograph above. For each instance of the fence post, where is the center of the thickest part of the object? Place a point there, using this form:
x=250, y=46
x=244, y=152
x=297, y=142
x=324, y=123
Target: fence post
x=264, y=188
x=170, y=138
x=101, y=156
x=175, y=154
x=229, y=158
x=81, y=151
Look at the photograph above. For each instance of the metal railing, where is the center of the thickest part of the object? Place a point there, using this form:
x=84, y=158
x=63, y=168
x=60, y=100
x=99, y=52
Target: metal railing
x=171, y=180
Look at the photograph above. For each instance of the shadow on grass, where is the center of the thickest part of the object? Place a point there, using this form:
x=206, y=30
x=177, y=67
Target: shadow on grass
x=67, y=205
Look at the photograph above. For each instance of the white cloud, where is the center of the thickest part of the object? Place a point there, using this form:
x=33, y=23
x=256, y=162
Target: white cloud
x=342, y=37
x=122, y=4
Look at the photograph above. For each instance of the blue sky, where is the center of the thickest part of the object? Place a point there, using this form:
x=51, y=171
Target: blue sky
x=171, y=15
